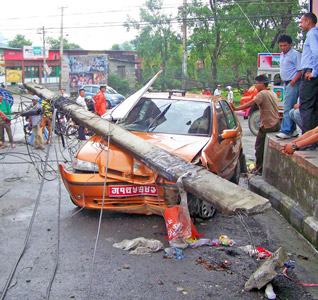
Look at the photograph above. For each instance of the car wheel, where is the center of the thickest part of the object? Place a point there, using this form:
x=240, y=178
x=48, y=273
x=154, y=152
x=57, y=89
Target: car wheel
x=108, y=104
x=207, y=210
x=193, y=205
x=254, y=122
x=237, y=172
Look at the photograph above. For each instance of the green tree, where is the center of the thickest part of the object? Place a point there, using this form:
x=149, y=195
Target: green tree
x=126, y=46
x=55, y=44
x=156, y=42
x=119, y=84
x=19, y=41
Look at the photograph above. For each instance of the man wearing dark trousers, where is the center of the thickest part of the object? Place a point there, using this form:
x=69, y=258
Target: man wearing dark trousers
x=267, y=102
x=308, y=91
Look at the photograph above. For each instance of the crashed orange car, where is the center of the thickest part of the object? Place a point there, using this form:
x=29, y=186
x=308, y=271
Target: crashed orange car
x=200, y=129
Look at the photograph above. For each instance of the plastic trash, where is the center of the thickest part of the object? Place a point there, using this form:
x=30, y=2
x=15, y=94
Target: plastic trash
x=173, y=253
x=140, y=245
x=259, y=252
x=225, y=241
x=269, y=292
x=204, y=242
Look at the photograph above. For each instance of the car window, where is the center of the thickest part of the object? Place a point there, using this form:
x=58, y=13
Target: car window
x=220, y=118
x=110, y=90
x=229, y=115
x=170, y=116
x=87, y=89
x=95, y=89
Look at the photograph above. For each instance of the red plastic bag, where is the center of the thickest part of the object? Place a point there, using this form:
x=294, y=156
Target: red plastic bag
x=177, y=223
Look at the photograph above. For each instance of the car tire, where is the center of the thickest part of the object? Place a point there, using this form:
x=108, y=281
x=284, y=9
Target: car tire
x=237, y=172
x=207, y=210
x=254, y=122
x=199, y=208
x=108, y=104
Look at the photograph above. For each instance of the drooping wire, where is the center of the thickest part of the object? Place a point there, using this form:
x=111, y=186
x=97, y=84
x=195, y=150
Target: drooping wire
x=57, y=251
x=99, y=223
x=255, y=31
x=13, y=270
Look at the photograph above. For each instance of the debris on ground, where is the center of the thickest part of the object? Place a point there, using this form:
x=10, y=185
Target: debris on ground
x=221, y=266
x=258, y=252
x=267, y=270
x=269, y=292
x=140, y=245
x=173, y=253
x=203, y=242
x=179, y=226
x=223, y=240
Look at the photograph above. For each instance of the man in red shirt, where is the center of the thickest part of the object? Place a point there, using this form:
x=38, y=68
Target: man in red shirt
x=100, y=101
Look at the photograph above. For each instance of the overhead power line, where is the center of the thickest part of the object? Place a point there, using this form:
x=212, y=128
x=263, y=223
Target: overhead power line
x=173, y=21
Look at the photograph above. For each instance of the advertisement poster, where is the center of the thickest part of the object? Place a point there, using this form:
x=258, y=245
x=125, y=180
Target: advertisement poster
x=280, y=94
x=2, y=69
x=14, y=75
x=87, y=69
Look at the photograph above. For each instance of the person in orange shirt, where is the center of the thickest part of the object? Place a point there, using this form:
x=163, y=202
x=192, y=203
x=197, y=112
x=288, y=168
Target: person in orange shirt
x=100, y=101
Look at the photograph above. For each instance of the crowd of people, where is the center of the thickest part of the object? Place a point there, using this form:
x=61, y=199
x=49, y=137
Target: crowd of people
x=40, y=115
x=299, y=73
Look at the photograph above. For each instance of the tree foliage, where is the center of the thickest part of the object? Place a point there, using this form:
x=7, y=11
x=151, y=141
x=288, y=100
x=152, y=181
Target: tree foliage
x=157, y=43
x=55, y=44
x=119, y=84
x=19, y=41
x=224, y=38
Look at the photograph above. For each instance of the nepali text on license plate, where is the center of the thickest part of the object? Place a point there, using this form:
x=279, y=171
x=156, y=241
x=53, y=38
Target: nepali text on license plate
x=132, y=190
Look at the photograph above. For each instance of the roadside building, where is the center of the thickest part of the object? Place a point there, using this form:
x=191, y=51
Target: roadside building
x=18, y=66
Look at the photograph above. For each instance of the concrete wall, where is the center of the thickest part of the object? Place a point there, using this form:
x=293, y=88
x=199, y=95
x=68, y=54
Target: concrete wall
x=129, y=71
x=296, y=175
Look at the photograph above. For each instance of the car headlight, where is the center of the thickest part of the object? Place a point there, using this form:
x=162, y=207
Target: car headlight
x=83, y=165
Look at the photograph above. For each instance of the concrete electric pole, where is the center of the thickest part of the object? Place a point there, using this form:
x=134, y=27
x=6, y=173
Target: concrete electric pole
x=61, y=48
x=184, y=29
x=44, y=56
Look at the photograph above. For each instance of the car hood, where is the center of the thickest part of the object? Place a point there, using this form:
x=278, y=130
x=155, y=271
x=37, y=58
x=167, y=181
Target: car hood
x=184, y=146
x=122, y=166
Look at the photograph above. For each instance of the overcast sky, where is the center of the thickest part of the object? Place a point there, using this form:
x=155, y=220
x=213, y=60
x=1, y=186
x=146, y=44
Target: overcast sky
x=92, y=24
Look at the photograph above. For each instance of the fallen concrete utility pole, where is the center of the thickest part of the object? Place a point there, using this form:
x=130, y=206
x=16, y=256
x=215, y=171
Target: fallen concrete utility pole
x=224, y=195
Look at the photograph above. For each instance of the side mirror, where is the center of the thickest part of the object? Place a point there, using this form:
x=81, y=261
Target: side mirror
x=227, y=134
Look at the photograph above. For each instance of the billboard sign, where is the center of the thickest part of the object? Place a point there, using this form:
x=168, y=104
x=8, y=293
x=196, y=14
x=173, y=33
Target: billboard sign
x=30, y=52
x=87, y=69
x=268, y=60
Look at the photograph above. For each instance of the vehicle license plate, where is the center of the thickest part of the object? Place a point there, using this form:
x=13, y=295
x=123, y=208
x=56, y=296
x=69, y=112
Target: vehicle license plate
x=132, y=190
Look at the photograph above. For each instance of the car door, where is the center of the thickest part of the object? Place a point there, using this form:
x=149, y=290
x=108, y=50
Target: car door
x=227, y=150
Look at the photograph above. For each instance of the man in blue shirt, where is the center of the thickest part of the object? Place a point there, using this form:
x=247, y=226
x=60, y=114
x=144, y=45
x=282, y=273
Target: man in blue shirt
x=308, y=91
x=290, y=73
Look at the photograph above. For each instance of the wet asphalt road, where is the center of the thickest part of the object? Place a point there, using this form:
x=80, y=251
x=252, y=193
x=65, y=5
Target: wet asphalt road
x=116, y=274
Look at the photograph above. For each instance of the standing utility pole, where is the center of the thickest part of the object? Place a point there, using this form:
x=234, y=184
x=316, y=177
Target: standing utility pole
x=184, y=27
x=61, y=48
x=44, y=55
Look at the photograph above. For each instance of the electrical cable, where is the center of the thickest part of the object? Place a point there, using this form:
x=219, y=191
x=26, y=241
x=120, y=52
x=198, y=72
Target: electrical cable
x=57, y=251
x=13, y=270
x=99, y=222
x=295, y=281
x=251, y=26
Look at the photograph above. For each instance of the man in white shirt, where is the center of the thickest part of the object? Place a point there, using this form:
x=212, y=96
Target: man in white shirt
x=81, y=102
x=230, y=95
x=290, y=73
x=217, y=91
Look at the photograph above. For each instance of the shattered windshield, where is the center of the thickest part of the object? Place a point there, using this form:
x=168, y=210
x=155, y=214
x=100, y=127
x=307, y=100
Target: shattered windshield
x=170, y=116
